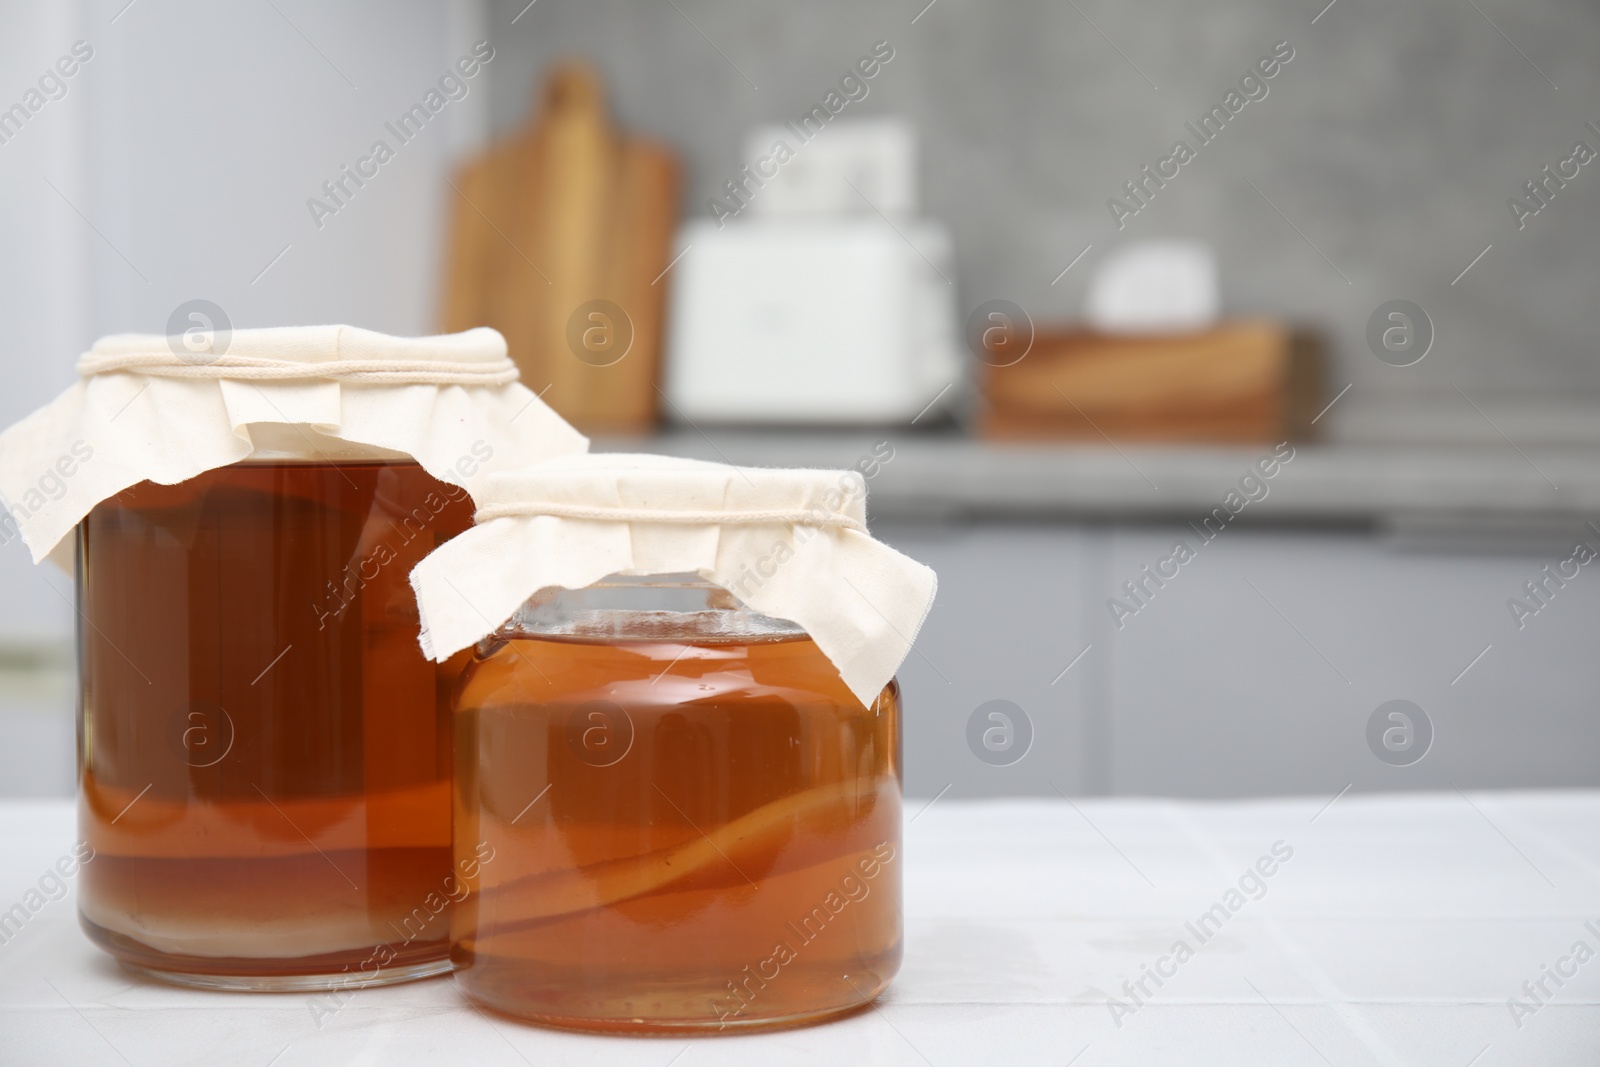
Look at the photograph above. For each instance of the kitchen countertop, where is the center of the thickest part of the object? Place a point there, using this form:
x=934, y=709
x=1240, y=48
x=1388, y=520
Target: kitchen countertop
x=1388, y=462
x=947, y=477
x=1389, y=929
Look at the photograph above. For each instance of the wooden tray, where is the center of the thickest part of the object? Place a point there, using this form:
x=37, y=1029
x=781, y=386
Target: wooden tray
x=1243, y=382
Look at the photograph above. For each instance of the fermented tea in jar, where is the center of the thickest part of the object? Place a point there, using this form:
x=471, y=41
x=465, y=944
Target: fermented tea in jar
x=264, y=750
x=681, y=747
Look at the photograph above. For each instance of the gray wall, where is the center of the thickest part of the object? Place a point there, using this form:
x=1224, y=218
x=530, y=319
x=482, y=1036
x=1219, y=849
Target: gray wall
x=1392, y=141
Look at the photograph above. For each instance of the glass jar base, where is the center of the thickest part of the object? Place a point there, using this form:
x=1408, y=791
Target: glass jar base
x=316, y=974
x=289, y=983
x=606, y=1015
x=706, y=1028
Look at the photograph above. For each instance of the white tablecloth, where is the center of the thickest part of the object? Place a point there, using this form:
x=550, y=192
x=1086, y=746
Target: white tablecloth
x=1397, y=932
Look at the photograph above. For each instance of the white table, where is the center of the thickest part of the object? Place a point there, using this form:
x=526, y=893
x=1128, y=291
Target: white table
x=1394, y=934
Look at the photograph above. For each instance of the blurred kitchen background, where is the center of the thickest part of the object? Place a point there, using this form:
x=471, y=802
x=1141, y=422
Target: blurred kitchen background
x=1047, y=390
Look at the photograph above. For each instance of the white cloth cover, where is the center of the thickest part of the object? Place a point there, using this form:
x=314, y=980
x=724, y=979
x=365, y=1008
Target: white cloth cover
x=788, y=543
x=140, y=412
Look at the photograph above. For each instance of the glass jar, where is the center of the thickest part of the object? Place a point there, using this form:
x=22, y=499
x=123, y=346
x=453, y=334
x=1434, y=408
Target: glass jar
x=675, y=815
x=265, y=756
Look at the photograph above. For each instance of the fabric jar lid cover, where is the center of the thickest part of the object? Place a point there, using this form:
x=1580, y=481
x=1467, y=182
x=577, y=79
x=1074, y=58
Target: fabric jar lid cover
x=165, y=409
x=792, y=544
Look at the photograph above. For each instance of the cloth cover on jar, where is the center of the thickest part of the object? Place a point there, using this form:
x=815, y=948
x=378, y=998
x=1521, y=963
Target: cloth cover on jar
x=792, y=544
x=165, y=409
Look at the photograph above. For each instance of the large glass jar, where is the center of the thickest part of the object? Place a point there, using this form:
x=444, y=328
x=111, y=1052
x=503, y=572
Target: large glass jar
x=675, y=815
x=265, y=754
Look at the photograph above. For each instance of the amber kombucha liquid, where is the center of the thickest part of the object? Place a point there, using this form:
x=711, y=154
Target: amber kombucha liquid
x=265, y=751
x=684, y=833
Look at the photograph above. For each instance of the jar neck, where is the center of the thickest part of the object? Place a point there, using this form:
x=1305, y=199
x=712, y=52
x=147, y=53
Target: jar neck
x=662, y=607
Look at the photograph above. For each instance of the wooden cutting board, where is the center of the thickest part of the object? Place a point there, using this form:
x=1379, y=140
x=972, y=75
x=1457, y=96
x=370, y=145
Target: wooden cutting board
x=559, y=238
x=1241, y=382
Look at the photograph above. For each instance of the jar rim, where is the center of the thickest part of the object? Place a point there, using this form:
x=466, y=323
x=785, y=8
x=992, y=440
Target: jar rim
x=672, y=607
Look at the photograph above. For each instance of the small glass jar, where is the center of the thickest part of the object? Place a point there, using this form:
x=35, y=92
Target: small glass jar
x=264, y=750
x=675, y=814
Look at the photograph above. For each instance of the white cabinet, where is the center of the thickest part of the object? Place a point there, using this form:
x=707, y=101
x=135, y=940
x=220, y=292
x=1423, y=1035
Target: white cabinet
x=1011, y=614
x=1257, y=668
x=1253, y=670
